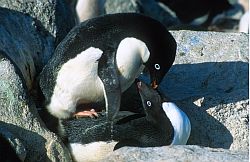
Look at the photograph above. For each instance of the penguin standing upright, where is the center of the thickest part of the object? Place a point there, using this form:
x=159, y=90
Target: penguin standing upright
x=100, y=58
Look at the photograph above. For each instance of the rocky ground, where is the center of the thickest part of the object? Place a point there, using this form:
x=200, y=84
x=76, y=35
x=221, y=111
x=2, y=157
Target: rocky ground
x=187, y=153
x=209, y=81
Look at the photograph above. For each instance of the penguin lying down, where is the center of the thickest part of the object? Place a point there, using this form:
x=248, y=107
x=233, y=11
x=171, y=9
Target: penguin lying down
x=163, y=124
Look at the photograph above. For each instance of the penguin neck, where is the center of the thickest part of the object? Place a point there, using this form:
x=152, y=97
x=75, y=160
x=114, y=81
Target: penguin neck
x=130, y=56
x=162, y=123
x=179, y=121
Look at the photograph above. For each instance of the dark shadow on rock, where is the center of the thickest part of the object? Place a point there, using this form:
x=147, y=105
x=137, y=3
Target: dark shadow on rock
x=217, y=83
x=33, y=142
x=40, y=39
x=206, y=130
x=8, y=153
x=33, y=39
x=68, y=22
x=211, y=78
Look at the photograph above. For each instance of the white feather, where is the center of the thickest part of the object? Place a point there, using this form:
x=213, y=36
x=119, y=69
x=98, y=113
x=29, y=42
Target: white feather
x=131, y=53
x=91, y=152
x=78, y=81
x=200, y=20
x=244, y=23
x=180, y=122
x=72, y=87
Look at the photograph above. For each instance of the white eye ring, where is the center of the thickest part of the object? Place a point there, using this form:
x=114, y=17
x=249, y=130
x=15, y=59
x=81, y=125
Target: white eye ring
x=157, y=67
x=149, y=103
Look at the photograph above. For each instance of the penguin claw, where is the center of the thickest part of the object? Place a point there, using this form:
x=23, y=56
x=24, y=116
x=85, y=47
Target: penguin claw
x=83, y=114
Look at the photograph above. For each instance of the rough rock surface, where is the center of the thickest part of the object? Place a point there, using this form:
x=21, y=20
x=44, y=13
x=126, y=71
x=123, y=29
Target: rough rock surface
x=19, y=116
x=45, y=28
x=209, y=80
x=187, y=153
x=21, y=41
x=14, y=142
x=148, y=7
x=27, y=41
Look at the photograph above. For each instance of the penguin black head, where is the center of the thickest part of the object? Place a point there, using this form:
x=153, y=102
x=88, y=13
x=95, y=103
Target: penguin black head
x=151, y=100
x=157, y=66
x=162, y=47
x=165, y=114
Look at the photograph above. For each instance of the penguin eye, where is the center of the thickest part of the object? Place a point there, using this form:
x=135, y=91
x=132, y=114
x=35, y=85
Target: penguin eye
x=157, y=67
x=149, y=103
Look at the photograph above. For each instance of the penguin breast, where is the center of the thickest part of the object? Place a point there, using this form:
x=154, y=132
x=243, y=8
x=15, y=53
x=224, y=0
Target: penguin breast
x=180, y=123
x=77, y=81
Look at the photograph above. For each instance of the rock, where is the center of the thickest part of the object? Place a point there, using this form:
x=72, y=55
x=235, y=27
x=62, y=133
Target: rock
x=209, y=81
x=121, y=6
x=176, y=153
x=14, y=142
x=147, y=7
x=37, y=32
x=19, y=39
x=29, y=33
x=19, y=116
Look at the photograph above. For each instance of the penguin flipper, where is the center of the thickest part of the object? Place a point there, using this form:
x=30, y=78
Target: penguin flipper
x=112, y=102
x=108, y=73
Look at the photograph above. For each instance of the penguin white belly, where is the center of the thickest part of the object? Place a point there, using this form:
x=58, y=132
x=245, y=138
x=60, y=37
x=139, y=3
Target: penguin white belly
x=77, y=81
x=180, y=122
x=91, y=152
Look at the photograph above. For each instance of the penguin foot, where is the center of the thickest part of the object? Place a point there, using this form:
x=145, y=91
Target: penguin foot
x=86, y=113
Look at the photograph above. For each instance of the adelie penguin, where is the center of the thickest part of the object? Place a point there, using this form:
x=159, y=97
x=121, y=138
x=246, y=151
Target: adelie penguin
x=163, y=124
x=163, y=112
x=100, y=58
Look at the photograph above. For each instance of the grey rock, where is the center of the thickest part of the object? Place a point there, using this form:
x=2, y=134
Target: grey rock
x=52, y=20
x=159, y=12
x=181, y=153
x=19, y=116
x=20, y=40
x=29, y=32
x=14, y=142
x=209, y=81
x=121, y=6
x=147, y=7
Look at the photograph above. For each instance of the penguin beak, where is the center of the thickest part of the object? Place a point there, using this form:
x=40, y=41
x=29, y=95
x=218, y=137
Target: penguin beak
x=154, y=84
x=154, y=80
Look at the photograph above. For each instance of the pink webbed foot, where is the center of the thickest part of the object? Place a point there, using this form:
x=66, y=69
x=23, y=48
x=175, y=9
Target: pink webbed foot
x=86, y=113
